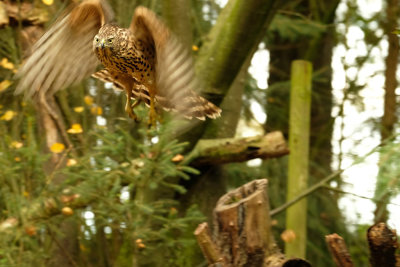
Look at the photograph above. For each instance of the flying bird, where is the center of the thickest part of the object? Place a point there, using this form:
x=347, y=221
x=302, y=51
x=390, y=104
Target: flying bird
x=145, y=60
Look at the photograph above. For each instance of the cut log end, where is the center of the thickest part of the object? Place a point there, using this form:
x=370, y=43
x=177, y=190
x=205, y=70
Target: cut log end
x=242, y=231
x=242, y=224
x=242, y=194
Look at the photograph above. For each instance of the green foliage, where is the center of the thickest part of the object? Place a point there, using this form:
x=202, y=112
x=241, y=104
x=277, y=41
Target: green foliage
x=292, y=28
x=389, y=170
x=114, y=185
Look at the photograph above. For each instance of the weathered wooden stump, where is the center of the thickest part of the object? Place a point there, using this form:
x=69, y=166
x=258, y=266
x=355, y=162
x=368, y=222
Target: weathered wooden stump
x=242, y=224
x=242, y=231
x=338, y=249
x=382, y=243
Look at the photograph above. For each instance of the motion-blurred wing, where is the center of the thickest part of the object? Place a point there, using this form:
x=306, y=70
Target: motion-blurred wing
x=63, y=55
x=175, y=76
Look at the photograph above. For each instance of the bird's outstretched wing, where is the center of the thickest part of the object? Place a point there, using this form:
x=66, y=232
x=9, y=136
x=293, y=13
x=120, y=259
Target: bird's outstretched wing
x=175, y=76
x=63, y=55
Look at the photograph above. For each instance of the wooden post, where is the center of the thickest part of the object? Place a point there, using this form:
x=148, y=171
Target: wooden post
x=299, y=135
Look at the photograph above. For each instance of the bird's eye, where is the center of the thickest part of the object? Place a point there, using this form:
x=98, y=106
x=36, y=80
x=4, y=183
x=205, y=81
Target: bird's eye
x=110, y=40
x=96, y=39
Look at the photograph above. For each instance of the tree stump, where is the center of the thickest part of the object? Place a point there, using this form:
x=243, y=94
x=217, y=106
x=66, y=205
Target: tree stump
x=242, y=224
x=242, y=231
x=338, y=249
x=382, y=245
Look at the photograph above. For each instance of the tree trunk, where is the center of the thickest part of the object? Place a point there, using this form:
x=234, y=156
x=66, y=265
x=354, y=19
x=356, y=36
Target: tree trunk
x=233, y=37
x=389, y=116
x=177, y=15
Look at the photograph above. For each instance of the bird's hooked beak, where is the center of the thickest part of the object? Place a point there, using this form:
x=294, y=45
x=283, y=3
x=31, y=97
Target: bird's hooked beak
x=102, y=44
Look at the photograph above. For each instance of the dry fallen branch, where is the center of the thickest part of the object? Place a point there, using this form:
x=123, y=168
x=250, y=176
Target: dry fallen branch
x=220, y=151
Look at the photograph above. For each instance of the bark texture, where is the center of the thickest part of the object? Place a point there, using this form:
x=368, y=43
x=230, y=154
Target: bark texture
x=219, y=151
x=389, y=114
x=338, y=249
x=242, y=231
x=382, y=243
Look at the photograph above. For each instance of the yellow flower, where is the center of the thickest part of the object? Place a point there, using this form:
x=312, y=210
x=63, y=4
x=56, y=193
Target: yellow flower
x=96, y=111
x=16, y=144
x=25, y=194
x=195, y=48
x=6, y=64
x=88, y=100
x=78, y=109
x=75, y=129
x=8, y=115
x=4, y=85
x=67, y=211
x=17, y=159
x=71, y=162
x=57, y=148
x=48, y=2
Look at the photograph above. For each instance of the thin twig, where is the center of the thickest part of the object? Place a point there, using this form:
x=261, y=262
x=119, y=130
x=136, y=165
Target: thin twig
x=321, y=183
x=356, y=195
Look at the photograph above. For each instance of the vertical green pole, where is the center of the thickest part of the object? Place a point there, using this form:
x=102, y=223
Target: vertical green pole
x=299, y=135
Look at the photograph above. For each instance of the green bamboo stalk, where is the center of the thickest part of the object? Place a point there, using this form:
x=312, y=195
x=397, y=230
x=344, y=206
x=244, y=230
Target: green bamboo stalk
x=299, y=135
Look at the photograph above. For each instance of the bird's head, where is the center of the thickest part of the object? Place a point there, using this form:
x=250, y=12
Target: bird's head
x=107, y=39
x=103, y=43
